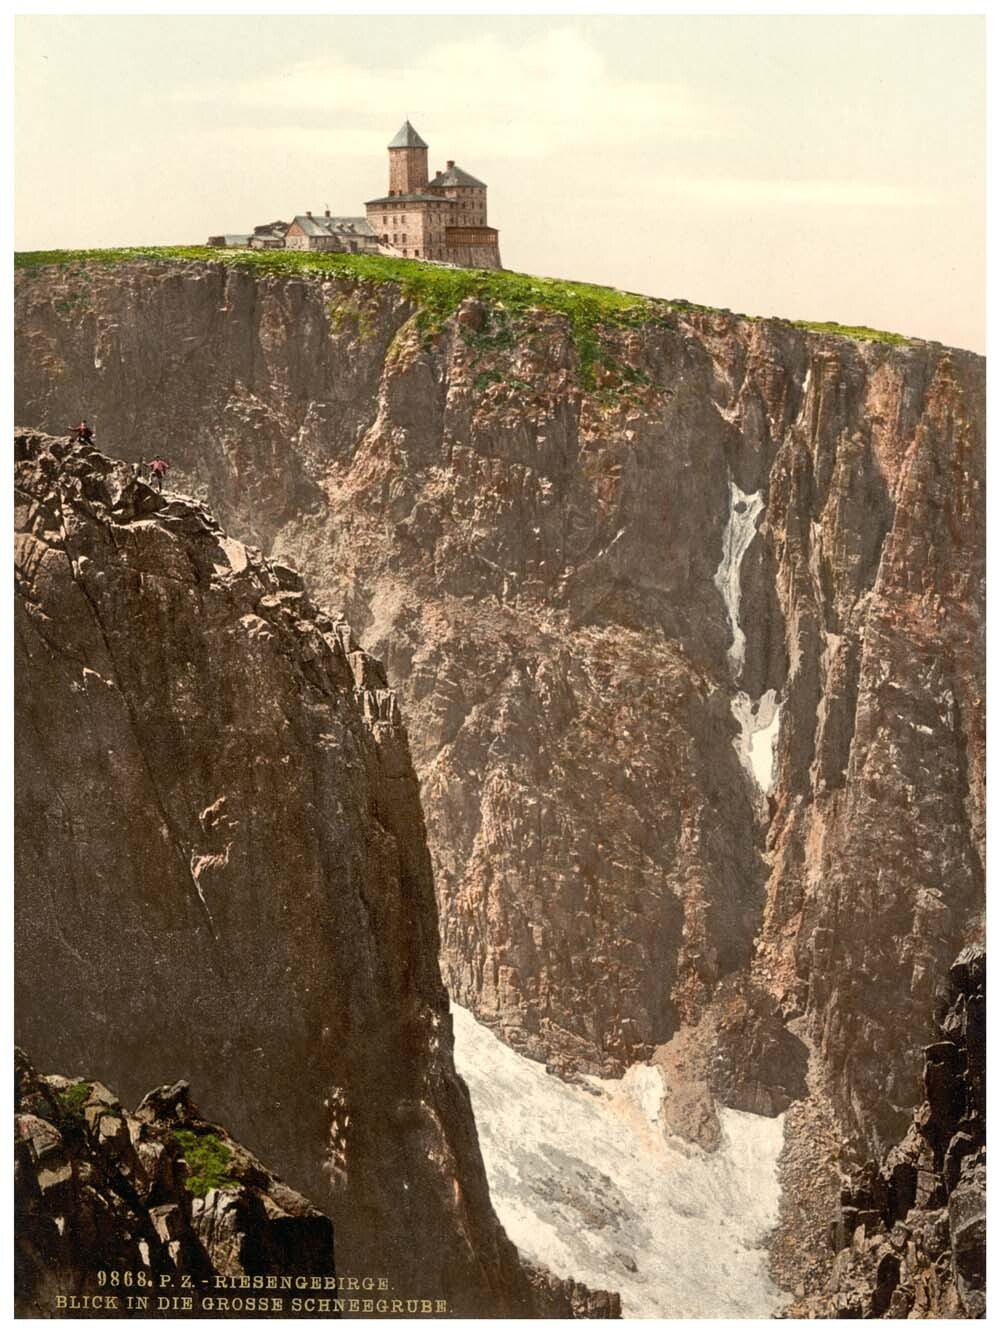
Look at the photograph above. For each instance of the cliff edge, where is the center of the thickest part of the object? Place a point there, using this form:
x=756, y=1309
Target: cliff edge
x=223, y=874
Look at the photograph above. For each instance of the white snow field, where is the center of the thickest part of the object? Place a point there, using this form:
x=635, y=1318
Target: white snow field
x=585, y=1182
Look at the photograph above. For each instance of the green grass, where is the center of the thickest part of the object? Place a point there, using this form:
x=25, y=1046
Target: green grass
x=208, y=1159
x=858, y=332
x=73, y=1099
x=438, y=292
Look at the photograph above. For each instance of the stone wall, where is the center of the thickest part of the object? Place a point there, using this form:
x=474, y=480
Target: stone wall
x=474, y=256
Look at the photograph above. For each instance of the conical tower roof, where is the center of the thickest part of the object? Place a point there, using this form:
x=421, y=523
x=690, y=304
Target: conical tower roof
x=407, y=137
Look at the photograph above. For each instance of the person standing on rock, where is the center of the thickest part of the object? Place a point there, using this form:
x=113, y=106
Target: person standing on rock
x=83, y=434
x=158, y=468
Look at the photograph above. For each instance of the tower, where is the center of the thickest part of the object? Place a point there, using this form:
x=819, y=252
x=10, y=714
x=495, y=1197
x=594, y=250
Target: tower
x=407, y=162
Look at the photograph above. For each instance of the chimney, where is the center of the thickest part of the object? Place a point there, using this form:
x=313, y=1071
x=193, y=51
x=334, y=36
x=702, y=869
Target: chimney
x=327, y=213
x=308, y=213
x=449, y=166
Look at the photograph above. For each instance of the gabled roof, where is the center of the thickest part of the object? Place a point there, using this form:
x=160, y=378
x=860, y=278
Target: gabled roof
x=324, y=226
x=407, y=137
x=456, y=176
x=358, y=226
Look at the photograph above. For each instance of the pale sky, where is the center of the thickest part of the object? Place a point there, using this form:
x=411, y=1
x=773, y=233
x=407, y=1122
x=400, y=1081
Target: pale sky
x=810, y=167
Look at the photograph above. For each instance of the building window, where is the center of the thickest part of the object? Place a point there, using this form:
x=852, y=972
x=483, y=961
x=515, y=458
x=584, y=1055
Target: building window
x=384, y=218
x=404, y=254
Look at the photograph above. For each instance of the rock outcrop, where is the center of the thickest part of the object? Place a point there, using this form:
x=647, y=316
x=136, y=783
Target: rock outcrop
x=159, y=1213
x=739, y=1054
x=124, y=1214
x=565, y=1298
x=910, y=1234
x=734, y=547
x=222, y=870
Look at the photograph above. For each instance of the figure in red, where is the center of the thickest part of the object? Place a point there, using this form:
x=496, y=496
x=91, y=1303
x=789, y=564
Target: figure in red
x=158, y=468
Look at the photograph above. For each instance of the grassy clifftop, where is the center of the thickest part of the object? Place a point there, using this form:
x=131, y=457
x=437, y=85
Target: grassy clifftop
x=438, y=291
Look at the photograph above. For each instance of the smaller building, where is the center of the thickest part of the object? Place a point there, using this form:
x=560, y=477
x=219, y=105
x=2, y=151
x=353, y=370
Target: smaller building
x=325, y=232
x=269, y=236
x=231, y=240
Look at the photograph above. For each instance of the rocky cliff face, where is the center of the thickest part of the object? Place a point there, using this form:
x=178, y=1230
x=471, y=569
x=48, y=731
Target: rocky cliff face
x=161, y=1195
x=691, y=656
x=910, y=1234
x=222, y=870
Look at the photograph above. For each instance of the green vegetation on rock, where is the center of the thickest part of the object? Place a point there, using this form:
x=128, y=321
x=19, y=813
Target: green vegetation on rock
x=858, y=332
x=352, y=309
x=208, y=1159
x=437, y=291
x=73, y=1098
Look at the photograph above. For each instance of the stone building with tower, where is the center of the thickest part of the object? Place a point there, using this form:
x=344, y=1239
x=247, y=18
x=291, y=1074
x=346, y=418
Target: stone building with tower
x=443, y=218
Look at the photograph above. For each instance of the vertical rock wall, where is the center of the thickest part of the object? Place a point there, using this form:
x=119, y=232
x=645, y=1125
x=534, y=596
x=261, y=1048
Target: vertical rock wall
x=910, y=1233
x=222, y=870
x=597, y=700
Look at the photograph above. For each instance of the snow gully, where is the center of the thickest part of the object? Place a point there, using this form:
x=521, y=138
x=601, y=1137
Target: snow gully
x=759, y=719
x=744, y=510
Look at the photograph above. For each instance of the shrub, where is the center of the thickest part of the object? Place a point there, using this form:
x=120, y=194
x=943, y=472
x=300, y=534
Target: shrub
x=73, y=1099
x=208, y=1159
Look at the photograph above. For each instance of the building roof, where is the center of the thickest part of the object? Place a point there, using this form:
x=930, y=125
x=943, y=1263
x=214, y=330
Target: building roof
x=409, y=199
x=407, y=137
x=456, y=176
x=324, y=226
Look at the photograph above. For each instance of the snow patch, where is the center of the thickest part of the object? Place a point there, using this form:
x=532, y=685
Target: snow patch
x=586, y=1182
x=744, y=510
x=643, y=1085
x=758, y=738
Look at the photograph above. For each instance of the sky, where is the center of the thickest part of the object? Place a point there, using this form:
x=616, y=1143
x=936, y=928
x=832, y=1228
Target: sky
x=813, y=167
